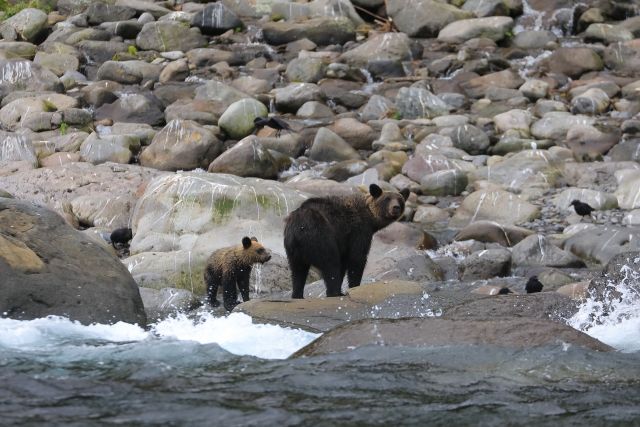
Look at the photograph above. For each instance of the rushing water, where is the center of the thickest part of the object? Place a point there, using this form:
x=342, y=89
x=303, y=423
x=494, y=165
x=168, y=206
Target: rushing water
x=228, y=371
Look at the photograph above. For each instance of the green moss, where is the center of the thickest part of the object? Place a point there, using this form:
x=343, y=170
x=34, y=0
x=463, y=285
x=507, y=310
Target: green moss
x=133, y=50
x=63, y=128
x=11, y=10
x=49, y=107
x=277, y=17
x=222, y=208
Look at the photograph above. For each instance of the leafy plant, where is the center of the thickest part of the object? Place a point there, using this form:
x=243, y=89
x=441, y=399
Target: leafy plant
x=133, y=50
x=238, y=29
x=63, y=128
x=508, y=33
x=396, y=116
x=11, y=10
x=49, y=106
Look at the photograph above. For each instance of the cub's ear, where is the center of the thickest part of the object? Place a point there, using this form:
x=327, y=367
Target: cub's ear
x=255, y=239
x=405, y=194
x=375, y=191
x=246, y=242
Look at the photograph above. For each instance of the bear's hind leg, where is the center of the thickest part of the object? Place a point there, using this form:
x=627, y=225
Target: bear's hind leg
x=299, y=273
x=332, y=278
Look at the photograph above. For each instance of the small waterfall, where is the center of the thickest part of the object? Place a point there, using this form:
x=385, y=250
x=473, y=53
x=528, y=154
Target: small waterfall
x=559, y=21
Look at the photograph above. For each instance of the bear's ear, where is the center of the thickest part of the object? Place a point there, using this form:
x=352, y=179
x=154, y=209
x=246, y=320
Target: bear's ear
x=405, y=194
x=375, y=191
x=246, y=242
x=255, y=239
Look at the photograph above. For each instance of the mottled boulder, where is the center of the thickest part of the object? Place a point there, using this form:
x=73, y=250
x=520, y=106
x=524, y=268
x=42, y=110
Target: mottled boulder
x=391, y=46
x=98, y=12
x=29, y=76
x=486, y=264
x=27, y=25
x=237, y=120
x=596, y=199
x=444, y=183
x=248, y=158
x=51, y=269
x=132, y=109
x=416, y=103
x=216, y=18
x=327, y=147
x=537, y=251
x=493, y=232
x=493, y=28
x=167, y=36
x=295, y=95
x=120, y=72
x=181, y=145
x=424, y=18
x=469, y=138
x=598, y=245
x=321, y=31
x=574, y=61
x=104, y=211
x=497, y=205
x=47, y=185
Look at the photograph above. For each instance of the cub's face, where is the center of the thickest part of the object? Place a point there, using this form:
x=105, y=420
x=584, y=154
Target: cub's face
x=387, y=204
x=257, y=252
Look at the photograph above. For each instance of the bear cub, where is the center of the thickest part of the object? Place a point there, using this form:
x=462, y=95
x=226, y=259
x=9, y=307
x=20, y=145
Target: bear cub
x=334, y=234
x=230, y=267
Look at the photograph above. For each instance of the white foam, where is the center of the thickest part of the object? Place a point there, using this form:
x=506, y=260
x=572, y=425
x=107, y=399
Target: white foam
x=234, y=333
x=617, y=321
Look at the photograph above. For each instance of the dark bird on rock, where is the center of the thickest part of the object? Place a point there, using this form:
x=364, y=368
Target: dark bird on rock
x=121, y=236
x=533, y=285
x=274, y=123
x=582, y=209
x=505, y=291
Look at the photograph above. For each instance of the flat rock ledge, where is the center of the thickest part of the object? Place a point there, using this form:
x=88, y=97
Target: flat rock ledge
x=415, y=332
x=396, y=299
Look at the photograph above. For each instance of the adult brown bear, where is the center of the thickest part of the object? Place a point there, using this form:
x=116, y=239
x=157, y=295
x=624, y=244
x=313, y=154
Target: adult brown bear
x=231, y=266
x=334, y=234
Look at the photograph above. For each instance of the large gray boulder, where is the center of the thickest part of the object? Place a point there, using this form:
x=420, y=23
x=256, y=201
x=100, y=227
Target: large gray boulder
x=417, y=103
x=493, y=28
x=248, y=158
x=392, y=46
x=181, y=145
x=27, y=25
x=424, y=18
x=321, y=31
x=494, y=205
x=598, y=245
x=216, y=18
x=29, y=76
x=486, y=264
x=574, y=61
x=132, y=109
x=167, y=36
x=537, y=251
x=48, y=268
x=492, y=232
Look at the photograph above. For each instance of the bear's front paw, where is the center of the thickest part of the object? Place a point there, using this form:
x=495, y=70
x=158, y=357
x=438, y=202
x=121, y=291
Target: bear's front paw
x=215, y=303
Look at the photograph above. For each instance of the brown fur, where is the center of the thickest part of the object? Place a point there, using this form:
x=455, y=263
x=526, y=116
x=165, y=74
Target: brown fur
x=334, y=234
x=230, y=267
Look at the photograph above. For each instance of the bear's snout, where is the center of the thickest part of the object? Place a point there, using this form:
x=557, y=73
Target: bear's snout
x=267, y=258
x=396, y=209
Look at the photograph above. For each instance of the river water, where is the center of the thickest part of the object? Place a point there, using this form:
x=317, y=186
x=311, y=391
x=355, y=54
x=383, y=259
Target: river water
x=228, y=371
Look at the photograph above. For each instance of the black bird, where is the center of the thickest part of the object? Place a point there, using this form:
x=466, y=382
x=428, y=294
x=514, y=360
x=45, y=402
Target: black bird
x=533, y=285
x=505, y=291
x=274, y=123
x=582, y=209
x=121, y=236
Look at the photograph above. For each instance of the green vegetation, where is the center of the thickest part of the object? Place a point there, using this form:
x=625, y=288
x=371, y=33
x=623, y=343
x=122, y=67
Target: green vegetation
x=133, y=50
x=49, y=107
x=63, y=128
x=10, y=10
x=396, y=116
x=508, y=34
x=238, y=29
x=277, y=17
